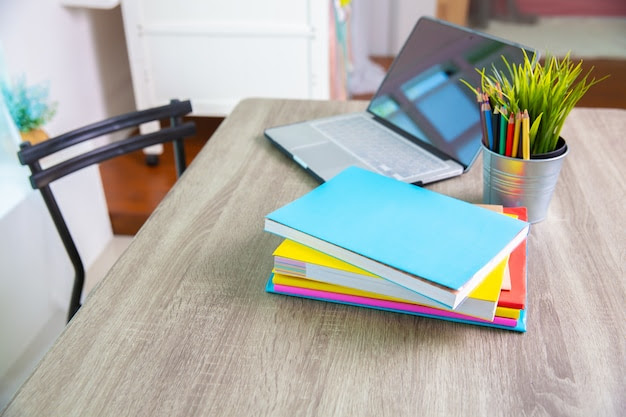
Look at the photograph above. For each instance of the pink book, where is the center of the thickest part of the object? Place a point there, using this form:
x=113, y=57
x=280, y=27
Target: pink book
x=388, y=305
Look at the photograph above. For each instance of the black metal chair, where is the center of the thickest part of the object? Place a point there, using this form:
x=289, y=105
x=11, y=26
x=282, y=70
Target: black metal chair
x=41, y=178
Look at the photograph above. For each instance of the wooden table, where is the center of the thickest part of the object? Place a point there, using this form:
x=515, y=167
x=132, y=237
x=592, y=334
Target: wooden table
x=182, y=325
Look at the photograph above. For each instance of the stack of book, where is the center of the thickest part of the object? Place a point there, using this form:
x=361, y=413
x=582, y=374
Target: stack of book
x=368, y=240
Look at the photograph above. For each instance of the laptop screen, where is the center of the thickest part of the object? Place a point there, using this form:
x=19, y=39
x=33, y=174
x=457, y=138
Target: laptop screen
x=422, y=95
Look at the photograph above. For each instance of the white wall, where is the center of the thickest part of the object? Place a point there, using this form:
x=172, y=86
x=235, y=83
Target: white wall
x=82, y=54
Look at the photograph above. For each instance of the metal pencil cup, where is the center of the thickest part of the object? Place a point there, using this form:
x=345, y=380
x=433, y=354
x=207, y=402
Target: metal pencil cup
x=514, y=182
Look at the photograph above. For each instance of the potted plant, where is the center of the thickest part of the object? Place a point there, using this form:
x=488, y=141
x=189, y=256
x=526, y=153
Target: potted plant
x=547, y=92
x=521, y=165
x=29, y=108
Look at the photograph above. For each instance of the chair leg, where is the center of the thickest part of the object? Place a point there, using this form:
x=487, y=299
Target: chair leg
x=77, y=291
x=179, y=156
x=179, y=147
x=70, y=247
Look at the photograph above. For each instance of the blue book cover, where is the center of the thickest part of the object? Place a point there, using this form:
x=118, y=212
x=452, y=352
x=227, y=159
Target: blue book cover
x=430, y=243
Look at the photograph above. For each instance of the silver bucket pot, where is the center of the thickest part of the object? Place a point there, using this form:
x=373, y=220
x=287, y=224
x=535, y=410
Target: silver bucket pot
x=514, y=182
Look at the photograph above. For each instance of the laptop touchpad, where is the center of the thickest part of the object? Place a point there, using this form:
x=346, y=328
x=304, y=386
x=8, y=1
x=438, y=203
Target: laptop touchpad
x=327, y=159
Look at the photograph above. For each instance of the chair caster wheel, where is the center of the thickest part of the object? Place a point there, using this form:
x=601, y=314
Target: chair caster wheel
x=152, y=160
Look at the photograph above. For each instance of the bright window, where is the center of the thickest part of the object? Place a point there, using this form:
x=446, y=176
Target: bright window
x=14, y=184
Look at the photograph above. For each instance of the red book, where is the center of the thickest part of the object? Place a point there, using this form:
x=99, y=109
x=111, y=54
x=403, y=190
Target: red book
x=516, y=297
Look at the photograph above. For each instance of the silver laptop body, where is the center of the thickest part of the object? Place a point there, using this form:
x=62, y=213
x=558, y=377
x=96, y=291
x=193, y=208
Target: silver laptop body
x=422, y=125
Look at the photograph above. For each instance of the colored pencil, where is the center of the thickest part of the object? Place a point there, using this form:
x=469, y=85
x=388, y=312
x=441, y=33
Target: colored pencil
x=509, y=135
x=503, y=127
x=495, y=126
x=516, y=133
x=483, y=126
x=487, y=114
x=525, y=135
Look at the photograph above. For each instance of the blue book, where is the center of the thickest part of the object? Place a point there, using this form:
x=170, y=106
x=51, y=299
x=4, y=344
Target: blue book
x=430, y=243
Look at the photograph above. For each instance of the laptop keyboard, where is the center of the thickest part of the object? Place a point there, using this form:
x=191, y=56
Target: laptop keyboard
x=378, y=147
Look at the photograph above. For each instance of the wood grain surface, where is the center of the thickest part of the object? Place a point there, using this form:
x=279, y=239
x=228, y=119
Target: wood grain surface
x=182, y=325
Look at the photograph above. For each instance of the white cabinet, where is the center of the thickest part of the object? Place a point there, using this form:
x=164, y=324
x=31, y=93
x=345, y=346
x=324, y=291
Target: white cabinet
x=219, y=52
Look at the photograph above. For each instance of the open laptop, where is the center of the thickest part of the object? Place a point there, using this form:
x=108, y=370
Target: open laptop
x=422, y=125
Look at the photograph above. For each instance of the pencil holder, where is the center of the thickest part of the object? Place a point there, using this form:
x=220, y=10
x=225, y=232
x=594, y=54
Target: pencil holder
x=514, y=182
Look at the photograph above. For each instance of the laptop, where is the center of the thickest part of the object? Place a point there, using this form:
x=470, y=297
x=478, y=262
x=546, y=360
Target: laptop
x=422, y=125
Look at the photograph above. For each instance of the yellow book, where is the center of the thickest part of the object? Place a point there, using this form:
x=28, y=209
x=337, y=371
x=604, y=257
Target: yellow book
x=506, y=282
x=509, y=313
x=299, y=261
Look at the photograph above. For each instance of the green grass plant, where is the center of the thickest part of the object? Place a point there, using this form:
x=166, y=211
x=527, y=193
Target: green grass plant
x=549, y=92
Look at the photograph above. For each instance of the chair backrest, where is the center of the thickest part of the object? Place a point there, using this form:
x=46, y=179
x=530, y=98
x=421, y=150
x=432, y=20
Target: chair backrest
x=41, y=178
